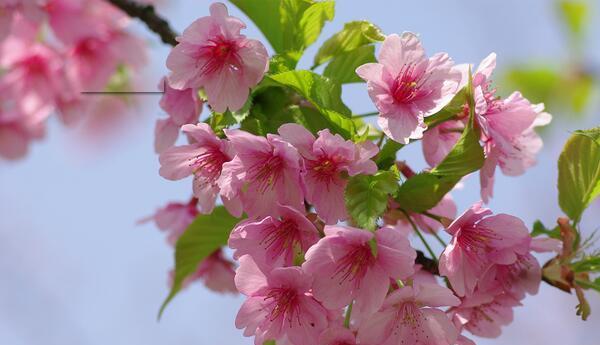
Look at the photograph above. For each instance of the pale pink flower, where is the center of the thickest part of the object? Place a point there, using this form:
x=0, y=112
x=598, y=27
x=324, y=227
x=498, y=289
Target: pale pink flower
x=274, y=241
x=326, y=159
x=279, y=305
x=484, y=315
x=204, y=158
x=410, y=316
x=264, y=173
x=174, y=219
x=522, y=276
x=353, y=264
x=479, y=240
x=337, y=335
x=406, y=86
x=182, y=107
x=216, y=272
x=212, y=54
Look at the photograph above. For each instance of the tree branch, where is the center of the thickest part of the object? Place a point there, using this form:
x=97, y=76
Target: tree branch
x=147, y=14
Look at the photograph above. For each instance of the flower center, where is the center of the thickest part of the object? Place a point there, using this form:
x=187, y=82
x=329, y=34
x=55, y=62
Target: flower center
x=354, y=265
x=267, y=172
x=217, y=54
x=324, y=169
x=476, y=240
x=284, y=303
x=208, y=164
x=408, y=84
x=280, y=238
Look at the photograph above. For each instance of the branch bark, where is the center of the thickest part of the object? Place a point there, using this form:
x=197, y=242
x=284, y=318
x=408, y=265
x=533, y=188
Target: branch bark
x=148, y=15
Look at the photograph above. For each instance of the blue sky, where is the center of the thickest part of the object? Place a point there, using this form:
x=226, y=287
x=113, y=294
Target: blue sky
x=75, y=269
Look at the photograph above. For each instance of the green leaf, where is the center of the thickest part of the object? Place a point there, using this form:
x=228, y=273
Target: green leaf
x=540, y=229
x=220, y=121
x=342, y=67
x=205, y=235
x=575, y=14
x=453, y=108
x=425, y=190
x=537, y=83
x=579, y=172
x=355, y=34
x=289, y=25
x=387, y=155
x=324, y=94
x=367, y=197
x=587, y=264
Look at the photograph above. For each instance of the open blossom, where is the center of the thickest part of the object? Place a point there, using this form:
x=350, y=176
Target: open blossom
x=410, y=316
x=212, y=54
x=325, y=159
x=204, y=158
x=348, y=266
x=174, y=219
x=182, y=107
x=279, y=304
x=274, y=241
x=264, y=173
x=406, y=86
x=484, y=315
x=480, y=240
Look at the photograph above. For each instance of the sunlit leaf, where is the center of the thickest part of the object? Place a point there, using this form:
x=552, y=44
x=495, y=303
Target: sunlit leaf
x=342, y=67
x=367, y=197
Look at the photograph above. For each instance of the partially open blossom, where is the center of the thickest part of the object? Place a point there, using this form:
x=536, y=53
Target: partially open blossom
x=174, y=219
x=406, y=86
x=353, y=264
x=279, y=304
x=484, y=315
x=212, y=54
x=182, y=107
x=204, y=158
x=522, y=276
x=274, y=241
x=325, y=159
x=480, y=240
x=410, y=316
x=264, y=173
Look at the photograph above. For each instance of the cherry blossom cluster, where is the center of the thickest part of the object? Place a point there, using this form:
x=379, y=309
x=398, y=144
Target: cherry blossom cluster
x=310, y=276
x=51, y=51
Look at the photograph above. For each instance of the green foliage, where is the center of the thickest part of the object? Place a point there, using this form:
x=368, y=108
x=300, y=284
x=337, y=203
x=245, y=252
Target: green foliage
x=220, y=121
x=579, y=172
x=387, y=155
x=575, y=15
x=540, y=229
x=587, y=264
x=367, y=197
x=324, y=94
x=343, y=67
x=453, y=108
x=205, y=235
x=354, y=35
x=289, y=25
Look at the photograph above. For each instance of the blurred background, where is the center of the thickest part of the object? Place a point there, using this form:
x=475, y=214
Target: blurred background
x=76, y=269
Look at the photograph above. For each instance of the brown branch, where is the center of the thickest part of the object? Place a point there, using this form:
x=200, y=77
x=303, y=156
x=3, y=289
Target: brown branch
x=146, y=14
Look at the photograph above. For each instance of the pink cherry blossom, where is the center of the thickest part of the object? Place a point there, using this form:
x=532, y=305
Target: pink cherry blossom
x=479, y=240
x=353, y=264
x=410, y=316
x=212, y=54
x=406, y=86
x=279, y=305
x=274, y=241
x=30, y=10
x=174, y=219
x=216, y=272
x=264, y=173
x=204, y=158
x=522, y=276
x=182, y=107
x=325, y=159
x=484, y=315
x=337, y=335
x=439, y=141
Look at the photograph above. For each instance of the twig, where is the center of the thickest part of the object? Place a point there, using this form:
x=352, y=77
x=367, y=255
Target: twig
x=147, y=14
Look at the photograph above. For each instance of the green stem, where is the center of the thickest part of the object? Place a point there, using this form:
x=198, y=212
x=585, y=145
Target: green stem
x=414, y=226
x=348, y=314
x=437, y=237
x=367, y=114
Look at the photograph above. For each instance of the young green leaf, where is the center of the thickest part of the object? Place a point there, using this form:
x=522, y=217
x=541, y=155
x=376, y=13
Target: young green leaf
x=387, y=155
x=354, y=35
x=205, y=235
x=342, y=67
x=540, y=229
x=324, y=94
x=579, y=172
x=367, y=197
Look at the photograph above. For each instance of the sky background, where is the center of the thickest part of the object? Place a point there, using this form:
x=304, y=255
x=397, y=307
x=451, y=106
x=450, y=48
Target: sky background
x=76, y=269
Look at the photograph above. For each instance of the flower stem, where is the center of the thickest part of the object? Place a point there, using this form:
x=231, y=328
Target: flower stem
x=348, y=315
x=414, y=226
x=437, y=237
x=368, y=114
